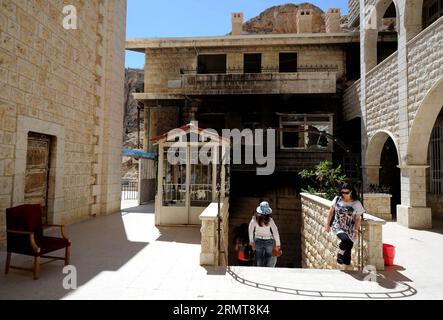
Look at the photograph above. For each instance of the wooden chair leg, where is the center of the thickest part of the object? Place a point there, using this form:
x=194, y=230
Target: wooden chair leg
x=67, y=255
x=8, y=262
x=36, y=267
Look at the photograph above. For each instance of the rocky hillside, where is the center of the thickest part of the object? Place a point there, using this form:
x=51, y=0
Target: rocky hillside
x=282, y=19
x=134, y=82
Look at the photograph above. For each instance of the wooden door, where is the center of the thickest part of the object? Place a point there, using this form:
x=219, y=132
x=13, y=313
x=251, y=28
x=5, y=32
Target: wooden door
x=37, y=171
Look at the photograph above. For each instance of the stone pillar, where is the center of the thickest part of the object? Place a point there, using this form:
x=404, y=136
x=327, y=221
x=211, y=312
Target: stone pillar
x=413, y=213
x=370, y=49
x=304, y=21
x=332, y=21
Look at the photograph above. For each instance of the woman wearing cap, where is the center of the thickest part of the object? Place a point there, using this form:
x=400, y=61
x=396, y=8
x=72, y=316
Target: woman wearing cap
x=345, y=218
x=262, y=233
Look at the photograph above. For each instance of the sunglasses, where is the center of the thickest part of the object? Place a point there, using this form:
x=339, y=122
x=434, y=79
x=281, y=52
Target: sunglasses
x=348, y=192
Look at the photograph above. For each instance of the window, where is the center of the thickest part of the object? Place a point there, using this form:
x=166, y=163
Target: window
x=288, y=62
x=436, y=158
x=211, y=63
x=174, y=179
x=252, y=63
x=307, y=132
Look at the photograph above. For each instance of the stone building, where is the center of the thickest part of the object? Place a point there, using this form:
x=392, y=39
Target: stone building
x=291, y=82
x=61, y=107
x=399, y=100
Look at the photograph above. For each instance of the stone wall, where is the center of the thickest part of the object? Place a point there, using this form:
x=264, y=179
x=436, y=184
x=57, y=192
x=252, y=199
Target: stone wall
x=68, y=84
x=378, y=204
x=210, y=254
x=425, y=64
x=382, y=97
x=319, y=249
x=162, y=68
x=351, y=101
x=354, y=12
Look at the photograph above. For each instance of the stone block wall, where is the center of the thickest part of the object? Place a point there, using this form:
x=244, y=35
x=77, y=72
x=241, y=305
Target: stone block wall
x=353, y=11
x=425, y=61
x=162, y=67
x=382, y=97
x=378, y=204
x=68, y=84
x=351, y=101
x=210, y=254
x=319, y=249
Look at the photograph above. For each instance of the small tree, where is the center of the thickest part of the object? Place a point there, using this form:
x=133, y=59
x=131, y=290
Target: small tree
x=326, y=178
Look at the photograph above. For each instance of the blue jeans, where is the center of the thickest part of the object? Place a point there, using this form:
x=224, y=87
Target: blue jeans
x=263, y=252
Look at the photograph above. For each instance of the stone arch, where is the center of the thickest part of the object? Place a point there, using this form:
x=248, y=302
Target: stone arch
x=376, y=15
x=421, y=129
x=373, y=54
x=375, y=147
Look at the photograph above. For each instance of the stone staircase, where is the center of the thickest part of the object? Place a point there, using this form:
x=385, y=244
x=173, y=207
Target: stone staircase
x=286, y=213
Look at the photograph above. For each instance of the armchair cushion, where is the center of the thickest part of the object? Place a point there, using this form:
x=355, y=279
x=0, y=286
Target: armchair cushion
x=49, y=244
x=28, y=218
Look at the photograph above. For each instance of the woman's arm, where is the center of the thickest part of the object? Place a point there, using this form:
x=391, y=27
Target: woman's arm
x=328, y=220
x=275, y=233
x=252, y=226
x=357, y=223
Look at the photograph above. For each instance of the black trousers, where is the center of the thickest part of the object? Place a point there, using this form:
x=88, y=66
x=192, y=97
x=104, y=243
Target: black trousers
x=346, y=245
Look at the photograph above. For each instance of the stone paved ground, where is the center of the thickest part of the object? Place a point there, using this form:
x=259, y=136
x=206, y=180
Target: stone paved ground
x=124, y=256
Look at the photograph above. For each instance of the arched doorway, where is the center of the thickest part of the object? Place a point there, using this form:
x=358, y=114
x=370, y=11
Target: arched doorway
x=416, y=209
x=382, y=161
x=390, y=174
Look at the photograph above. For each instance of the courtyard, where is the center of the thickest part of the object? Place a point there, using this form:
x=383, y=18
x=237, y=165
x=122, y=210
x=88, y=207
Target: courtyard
x=125, y=256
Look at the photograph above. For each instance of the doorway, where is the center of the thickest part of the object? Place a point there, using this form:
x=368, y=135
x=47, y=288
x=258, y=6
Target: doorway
x=37, y=171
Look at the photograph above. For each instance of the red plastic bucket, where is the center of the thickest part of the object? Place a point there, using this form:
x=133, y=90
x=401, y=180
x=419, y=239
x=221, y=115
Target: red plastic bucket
x=388, y=254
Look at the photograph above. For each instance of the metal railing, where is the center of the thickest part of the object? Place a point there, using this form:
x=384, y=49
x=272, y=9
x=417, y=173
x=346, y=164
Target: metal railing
x=266, y=69
x=130, y=189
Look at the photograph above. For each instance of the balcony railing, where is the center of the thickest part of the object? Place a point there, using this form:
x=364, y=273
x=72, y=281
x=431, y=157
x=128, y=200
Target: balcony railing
x=307, y=79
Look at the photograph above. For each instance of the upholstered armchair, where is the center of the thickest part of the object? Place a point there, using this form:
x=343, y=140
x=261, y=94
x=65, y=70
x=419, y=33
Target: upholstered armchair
x=25, y=236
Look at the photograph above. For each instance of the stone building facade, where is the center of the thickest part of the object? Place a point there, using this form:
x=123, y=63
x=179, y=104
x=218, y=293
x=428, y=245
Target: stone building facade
x=61, y=107
x=399, y=99
x=254, y=81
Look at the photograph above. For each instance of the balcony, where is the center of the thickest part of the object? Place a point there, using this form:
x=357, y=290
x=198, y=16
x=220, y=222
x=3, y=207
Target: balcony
x=312, y=79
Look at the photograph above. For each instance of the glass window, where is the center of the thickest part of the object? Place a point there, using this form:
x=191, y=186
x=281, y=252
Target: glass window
x=174, y=178
x=200, y=180
x=309, y=132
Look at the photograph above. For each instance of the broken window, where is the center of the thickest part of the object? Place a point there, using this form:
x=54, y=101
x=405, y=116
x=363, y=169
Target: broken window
x=288, y=62
x=307, y=132
x=252, y=63
x=211, y=63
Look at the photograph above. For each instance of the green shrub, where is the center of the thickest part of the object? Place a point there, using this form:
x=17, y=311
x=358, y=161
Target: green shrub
x=326, y=179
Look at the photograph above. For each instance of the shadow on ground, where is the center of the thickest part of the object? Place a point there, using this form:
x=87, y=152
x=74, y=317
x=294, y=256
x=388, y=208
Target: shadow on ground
x=99, y=245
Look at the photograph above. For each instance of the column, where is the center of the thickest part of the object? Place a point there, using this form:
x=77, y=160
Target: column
x=413, y=213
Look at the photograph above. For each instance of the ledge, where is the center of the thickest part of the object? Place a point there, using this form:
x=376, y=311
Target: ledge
x=368, y=219
x=211, y=211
